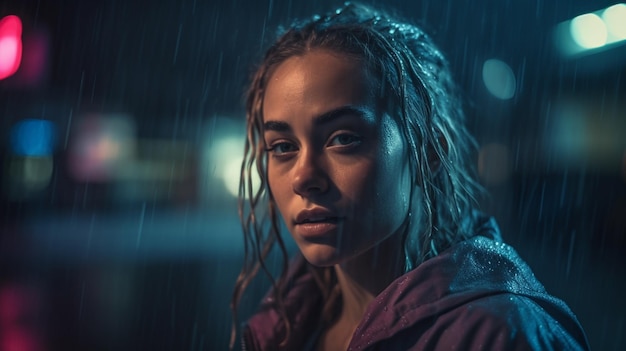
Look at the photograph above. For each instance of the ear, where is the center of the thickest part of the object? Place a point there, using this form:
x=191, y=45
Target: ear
x=434, y=161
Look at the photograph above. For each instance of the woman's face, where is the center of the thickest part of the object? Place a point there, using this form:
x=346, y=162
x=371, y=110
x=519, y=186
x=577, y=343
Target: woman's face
x=337, y=165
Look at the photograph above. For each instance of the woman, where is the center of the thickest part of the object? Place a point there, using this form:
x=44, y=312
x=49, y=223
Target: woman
x=356, y=131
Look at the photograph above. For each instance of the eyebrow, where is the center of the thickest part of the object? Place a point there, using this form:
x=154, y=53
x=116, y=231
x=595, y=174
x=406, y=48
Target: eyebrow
x=325, y=118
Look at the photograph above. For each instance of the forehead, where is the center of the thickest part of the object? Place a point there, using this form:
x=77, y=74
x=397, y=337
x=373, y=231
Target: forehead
x=317, y=80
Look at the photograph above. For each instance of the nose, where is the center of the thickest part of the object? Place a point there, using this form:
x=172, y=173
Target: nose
x=310, y=176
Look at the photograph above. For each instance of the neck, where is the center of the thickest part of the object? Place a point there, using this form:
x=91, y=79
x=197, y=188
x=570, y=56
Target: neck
x=364, y=277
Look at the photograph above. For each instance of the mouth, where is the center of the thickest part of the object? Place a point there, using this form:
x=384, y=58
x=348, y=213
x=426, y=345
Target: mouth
x=319, y=220
x=316, y=215
x=318, y=228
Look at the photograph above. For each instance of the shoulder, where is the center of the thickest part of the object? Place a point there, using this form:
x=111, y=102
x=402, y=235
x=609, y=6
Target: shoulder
x=494, y=322
x=512, y=322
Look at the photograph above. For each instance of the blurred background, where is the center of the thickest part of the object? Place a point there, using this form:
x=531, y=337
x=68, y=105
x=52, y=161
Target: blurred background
x=121, y=129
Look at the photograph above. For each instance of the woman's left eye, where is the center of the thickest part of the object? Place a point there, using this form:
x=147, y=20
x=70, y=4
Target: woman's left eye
x=345, y=140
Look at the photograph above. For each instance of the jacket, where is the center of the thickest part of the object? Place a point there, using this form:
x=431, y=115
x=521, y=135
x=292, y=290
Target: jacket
x=477, y=295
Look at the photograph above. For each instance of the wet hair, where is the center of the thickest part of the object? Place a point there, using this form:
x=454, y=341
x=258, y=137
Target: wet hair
x=417, y=90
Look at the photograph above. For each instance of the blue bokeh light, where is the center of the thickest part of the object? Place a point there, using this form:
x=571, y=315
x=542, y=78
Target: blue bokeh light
x=33, y=137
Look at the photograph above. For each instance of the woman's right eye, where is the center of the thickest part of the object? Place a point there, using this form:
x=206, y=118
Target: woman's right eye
x=281, y=148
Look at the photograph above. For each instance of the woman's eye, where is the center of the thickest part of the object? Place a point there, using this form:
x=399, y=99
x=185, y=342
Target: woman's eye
x=345, y=140
x=281, y=148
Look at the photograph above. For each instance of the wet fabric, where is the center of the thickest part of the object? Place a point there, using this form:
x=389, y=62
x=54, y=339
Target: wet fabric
x=477, y=295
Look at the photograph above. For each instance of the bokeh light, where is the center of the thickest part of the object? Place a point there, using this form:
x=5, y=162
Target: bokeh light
x=231, y=175
x=33, y=137
x=28, y=176
x=589, y=31
x=499, y=79
x=615, y=20
x=102, y=146
x=10, y=45
x=227, y=155
x=592, y=32
x=223, y=151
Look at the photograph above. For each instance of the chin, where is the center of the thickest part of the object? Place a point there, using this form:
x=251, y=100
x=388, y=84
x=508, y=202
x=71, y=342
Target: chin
x=321, y=255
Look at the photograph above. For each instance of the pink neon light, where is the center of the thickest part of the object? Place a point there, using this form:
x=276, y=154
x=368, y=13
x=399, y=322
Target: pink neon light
x=10, y=45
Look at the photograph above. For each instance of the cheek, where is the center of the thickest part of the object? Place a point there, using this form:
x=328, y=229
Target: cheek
x=395, y=176
x=378, y=190
x=396, y=188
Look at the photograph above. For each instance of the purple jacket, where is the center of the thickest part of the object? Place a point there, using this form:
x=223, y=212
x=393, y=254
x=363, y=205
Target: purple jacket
x=477, y=295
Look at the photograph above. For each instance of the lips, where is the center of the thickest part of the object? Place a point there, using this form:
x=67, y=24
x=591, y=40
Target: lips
x=316, y=215
x=319, y=220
